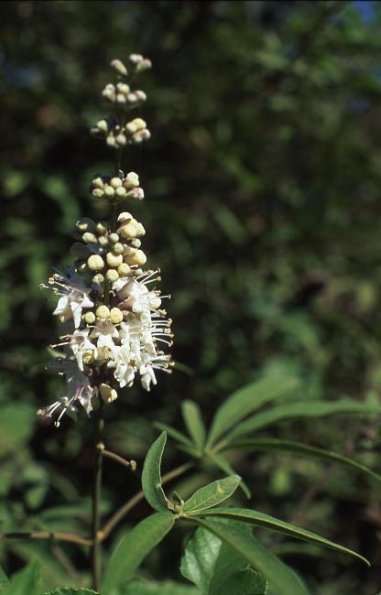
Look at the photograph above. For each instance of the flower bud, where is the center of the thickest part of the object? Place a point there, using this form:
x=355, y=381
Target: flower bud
x=89, y=238
x=131, y=180
x=108, y=393
x=117, y=248
x=103, y=241
x=98, y=182
x=124, y=217
x=85, y=224
x=116, y=182
x=135, y=125
x=123, y=269
x=132, y=229
x=98, y=279
x=123, y=88
x=98, y=192
x=138, y=258
x=109, y=191
x=121, y=139
x=102, y=312
x=102, y=125
x=109, y=92
x=95, y=262
x=116, y=315
x=101, y=228
x=114, y=260
x=119, y=67
x=112, y=275
x=135, y=58
x=89, y=317
x=137, y=193
x=143, y=65
x=121, y=192
x=113, y=237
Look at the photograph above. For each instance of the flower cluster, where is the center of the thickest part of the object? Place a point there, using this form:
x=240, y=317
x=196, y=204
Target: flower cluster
x=119, y=131
x=114, y=328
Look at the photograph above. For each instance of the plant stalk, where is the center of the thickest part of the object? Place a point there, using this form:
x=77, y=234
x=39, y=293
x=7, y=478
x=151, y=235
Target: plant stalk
x=96, y=560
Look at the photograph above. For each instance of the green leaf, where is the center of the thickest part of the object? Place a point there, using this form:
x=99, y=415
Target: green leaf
x=218, y=570
x=264, y=444
x=175, y=434
x=281, y=579
x=194, y=423
x=69, y=591
x=140, y=587
x=24, y=582
x=261, y=519
x=16, y=426
x=133, y=548
x=211, y=495
x=298, y=410
x=222, y=463
x=151, y=476
x=3, y=579
x=246, y=400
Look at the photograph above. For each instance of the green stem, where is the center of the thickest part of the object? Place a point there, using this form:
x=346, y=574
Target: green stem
x=96, y=561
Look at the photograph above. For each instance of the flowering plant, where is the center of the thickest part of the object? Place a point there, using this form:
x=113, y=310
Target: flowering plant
x=114, y=330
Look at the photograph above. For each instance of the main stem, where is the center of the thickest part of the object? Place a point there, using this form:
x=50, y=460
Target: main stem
x=96, y=561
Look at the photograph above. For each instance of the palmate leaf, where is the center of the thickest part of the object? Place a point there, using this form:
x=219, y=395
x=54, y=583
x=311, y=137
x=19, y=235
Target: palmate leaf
x=299, y=410
x=261, y=519
x=194, y=423
x=211, y=495
x=133, y=548
x=281, y=579
x=151, y=475
x=217, y=569
x=286, y=446
x=246, y=400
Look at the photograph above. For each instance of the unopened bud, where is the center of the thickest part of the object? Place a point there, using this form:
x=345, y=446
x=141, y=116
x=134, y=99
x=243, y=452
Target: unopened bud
x=103, y=241
x=116, y=182
x=124, y=217
x=123, y=269
x=143, y=65
x=138, y=258
x=95, y=262
x=98, y=279
x=112, y=275
x=131, y=180
x=89, y=317
x=89, y=238
x=119, y=67
x=109, y=191
x=117, y=248
x=114, y=260
x=116, y=315
x=108, y=393
x=121, y=192
x=102, y=125
x=121, y=139
x=102, y=312
x=113, y=237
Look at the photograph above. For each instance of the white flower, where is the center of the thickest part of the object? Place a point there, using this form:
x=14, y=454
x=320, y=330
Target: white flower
x=79, y=392
x=81, y=346
x=74, y=296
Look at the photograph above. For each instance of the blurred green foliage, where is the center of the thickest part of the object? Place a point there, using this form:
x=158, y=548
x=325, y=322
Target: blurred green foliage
x=263, y=211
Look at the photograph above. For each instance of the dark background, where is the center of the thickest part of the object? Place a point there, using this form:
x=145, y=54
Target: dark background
x=262, y=209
